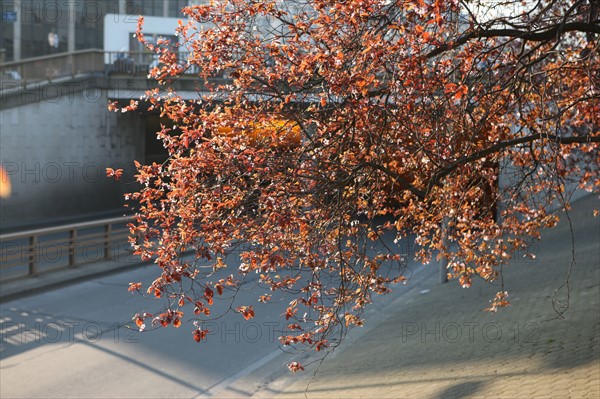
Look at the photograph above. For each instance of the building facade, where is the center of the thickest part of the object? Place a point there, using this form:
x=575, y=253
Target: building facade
x=33, y=28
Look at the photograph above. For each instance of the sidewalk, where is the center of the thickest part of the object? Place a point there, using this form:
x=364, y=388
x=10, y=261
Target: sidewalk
x=441, y=344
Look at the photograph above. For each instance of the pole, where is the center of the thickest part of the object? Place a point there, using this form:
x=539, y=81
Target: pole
x=71, y=28
x=444, y=260
x=17, y=32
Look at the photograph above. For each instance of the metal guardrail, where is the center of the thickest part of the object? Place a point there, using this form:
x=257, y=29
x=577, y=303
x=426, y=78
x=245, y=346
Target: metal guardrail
x=55, y=67
x=30, y=253
x=139, y=62
x=52, y=67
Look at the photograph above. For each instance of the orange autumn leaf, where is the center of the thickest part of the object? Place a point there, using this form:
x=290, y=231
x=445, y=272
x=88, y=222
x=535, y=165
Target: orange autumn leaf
x=295, y=367
x=199, y=334
x=290, y=312
x=208, y=295
x=134, y=287
x=139, y=320
x=461, y=92
x=246, y=311
x=114, y=173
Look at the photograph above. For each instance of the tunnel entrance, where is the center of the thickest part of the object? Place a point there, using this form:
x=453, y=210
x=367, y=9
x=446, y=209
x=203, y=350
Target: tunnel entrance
x=154, y=151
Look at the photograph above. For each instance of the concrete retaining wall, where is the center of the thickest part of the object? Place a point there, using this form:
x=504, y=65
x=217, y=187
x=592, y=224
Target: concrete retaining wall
x=56, y=151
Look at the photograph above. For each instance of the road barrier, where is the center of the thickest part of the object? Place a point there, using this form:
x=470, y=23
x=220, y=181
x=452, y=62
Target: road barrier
x=33, y=252
x=65, y=66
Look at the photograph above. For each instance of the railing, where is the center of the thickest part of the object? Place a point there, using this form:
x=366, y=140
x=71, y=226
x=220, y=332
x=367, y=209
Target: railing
x=30, y=253
x=139, y=62
x=51, y=68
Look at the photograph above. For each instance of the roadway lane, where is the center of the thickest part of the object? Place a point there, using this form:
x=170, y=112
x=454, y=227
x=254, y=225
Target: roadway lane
x=76, y=342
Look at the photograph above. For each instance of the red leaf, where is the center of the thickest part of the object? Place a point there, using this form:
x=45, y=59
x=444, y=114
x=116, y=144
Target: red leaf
x=115, y=173
x=208, y=294
x=134, y=287
x=139, y=320
x=290, y=313
x=295, y=366
x=199, y=334
x=246, y=311
x=264, y=298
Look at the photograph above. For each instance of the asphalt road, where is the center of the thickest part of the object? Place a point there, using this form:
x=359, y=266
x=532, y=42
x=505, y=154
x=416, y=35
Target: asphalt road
x=78, y=341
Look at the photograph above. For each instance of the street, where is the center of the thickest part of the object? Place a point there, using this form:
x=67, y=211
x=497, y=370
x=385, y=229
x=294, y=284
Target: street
x=79, y=341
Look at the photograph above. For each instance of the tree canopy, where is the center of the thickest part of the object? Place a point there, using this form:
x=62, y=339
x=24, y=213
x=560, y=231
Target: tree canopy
x=325, y=131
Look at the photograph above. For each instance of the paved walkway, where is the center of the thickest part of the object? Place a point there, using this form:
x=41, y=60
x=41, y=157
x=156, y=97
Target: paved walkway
x=441, y=344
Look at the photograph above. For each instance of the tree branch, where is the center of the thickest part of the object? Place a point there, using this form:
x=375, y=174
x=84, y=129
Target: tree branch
x=540, y=36
x=499, y=146
x=405, y=183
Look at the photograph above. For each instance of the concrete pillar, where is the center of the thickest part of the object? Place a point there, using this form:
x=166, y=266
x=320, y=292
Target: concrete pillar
x=445, y=243
x=165, y=8
x=122, y=7
x=71, y=27
x=17, y=31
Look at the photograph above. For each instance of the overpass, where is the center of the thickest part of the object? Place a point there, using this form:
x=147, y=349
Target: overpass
x=123, y=74
x=58, y=136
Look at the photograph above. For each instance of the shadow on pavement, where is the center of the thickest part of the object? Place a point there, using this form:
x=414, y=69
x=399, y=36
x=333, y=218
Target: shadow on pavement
x=461, y=390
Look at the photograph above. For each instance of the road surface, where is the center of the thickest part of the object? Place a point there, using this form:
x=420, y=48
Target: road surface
x=77, y=341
